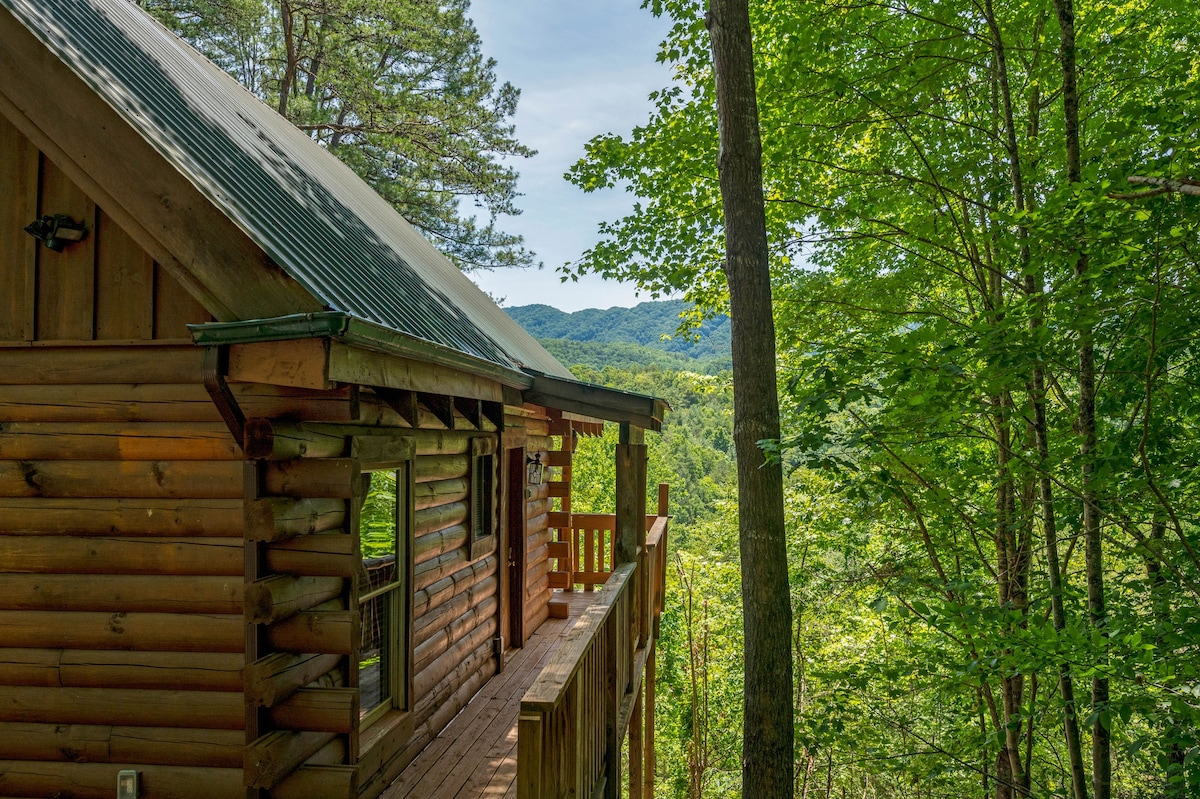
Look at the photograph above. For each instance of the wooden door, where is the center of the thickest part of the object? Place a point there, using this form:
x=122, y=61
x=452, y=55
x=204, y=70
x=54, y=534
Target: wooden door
x=516, y=546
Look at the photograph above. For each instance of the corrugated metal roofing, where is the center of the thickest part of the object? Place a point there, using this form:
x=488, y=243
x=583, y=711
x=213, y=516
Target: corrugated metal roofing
x=309, y=212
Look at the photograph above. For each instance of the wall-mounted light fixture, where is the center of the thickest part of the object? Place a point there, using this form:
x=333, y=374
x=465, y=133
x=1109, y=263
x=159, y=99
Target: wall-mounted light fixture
x=56, y=231
x=534, y=469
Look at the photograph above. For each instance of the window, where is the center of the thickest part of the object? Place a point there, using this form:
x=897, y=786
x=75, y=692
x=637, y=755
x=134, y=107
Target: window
x=384, y=587
x=484, y=506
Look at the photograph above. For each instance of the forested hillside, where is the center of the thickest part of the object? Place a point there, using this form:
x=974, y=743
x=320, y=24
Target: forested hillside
x=655, y=325
x=700, y=673
x=984, y=242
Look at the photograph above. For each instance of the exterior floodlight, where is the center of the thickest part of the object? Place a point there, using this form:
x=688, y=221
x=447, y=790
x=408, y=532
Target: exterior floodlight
x=56, y=231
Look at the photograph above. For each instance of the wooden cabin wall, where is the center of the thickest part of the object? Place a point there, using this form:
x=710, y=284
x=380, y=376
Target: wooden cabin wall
x=121, y=564
x=529, y=427
x=455, y=600
x=104, y=288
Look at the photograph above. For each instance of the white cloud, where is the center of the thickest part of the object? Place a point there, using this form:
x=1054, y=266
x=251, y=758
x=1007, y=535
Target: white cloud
x=584, y=68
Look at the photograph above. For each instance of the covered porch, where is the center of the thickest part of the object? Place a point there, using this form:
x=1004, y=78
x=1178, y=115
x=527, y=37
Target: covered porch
x=576, y=701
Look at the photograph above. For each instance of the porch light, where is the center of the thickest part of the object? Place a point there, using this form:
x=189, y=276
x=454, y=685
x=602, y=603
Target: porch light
x=534, y=469
x=56, y=231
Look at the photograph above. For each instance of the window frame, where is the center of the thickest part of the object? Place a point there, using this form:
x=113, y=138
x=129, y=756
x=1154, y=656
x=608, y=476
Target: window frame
x=483, y=454
x=379, y=454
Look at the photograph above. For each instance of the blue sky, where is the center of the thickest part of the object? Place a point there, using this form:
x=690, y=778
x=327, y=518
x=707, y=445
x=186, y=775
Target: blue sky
x=584, y=67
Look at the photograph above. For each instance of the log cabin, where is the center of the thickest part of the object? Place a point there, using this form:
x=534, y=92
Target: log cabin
x=282, y=493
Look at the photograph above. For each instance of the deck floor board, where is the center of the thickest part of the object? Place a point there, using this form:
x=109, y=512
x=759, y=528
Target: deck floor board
x=475, y=756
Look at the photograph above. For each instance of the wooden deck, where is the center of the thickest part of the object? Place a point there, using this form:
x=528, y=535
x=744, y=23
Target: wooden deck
x=476, y=754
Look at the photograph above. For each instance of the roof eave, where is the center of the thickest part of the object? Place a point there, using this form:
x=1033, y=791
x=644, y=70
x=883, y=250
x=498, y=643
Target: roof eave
x=358, y=333
x=599, y=402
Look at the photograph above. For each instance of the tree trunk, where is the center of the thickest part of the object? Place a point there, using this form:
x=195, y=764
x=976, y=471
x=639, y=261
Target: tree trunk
x=287, y=79
x=1093, y=553
x=1035, y=291
x=767, y=741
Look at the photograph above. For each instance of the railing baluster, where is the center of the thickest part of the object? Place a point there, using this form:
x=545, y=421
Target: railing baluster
x=571, y=725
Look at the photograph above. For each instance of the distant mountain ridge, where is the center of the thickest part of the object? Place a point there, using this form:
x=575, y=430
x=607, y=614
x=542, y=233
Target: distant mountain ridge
x=645, y=325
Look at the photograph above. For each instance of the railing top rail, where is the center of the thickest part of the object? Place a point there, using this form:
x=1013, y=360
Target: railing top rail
x=550, y=686
x=657, y=531
x=598, y=520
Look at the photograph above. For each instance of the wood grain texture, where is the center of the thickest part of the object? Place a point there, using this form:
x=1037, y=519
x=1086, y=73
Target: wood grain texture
x=19, y=170
x=124, y=284
x=66, y=281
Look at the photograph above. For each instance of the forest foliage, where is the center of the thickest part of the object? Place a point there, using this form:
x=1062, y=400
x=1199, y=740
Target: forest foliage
x=942, y=274
x=399, y=90
x=661, y=327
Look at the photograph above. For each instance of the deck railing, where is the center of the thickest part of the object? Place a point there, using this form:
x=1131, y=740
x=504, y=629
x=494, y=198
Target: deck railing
x=576, y=716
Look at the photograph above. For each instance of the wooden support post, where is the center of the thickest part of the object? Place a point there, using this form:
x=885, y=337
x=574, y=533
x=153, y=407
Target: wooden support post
x=612, y=705
x=635, y=746
x=631, y=494
x=530, y=755
x=651, y=760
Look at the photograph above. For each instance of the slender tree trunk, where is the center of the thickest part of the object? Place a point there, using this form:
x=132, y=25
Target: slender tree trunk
x=287, y=80
x=1093, y=552
x=767, y=756
x=1160, y=602
x=1035, y=291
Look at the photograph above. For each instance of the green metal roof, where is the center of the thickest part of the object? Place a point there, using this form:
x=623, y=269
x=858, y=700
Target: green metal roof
x=308, y=212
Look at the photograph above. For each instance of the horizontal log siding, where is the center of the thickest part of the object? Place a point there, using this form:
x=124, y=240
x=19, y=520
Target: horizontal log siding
x=121, y=562
x=105, y=287
x=455, y=600
x=538, y=533
x=531, y=427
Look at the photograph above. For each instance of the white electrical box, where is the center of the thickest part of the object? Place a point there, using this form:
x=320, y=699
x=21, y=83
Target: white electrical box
x=128, y=784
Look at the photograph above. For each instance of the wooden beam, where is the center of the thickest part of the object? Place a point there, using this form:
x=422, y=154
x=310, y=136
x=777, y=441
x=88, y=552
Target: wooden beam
x=101, y=363
x=597, y=401
x=300, y=363
x=439, y=405
x=318, y=709
x=33, y=441
x=156, y=479
x=277, y=518
x=150, y=402
x=630, y=529
x=402, y=402
x=217, y=710
x=278, y=596
x=471, y=410
x=349, y=364
x=324, y=478
x=277, y=754
x=494, y=413
x=108, y=744
x=120, y=593
x=273, y=678
x=19, y=167
x=44, y=554
x=132, y=517
x=272, y=439
x=318, y=782
x=324, y=631
x=94, y=780
x=99, y=668
x=323, y=555
x=175, y=632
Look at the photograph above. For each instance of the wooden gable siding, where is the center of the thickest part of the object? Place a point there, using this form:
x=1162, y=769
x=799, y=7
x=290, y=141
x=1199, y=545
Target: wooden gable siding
x=105, y=287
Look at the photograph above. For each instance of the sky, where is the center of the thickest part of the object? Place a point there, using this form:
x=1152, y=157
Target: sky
x=584, y=67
